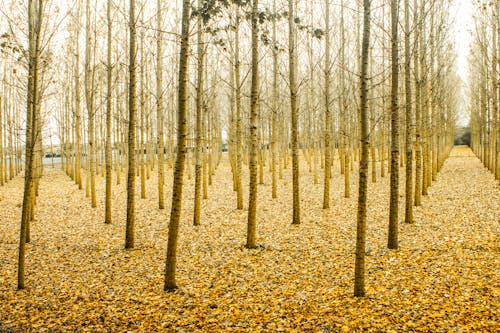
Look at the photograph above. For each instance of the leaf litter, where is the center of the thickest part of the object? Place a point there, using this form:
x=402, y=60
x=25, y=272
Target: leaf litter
x=444, y=277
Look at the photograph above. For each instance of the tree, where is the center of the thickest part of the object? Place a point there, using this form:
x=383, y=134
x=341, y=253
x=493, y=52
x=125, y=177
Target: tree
x=159, y=107
x=175, y=213
x=252, y=155
x=35, y=14
x=292, y=65
x=199, y=117
x=359, y=270
x=78, y=158
x=89, y=99
x=344, y=130
x=237, y=92
x=328, y=162
x=274, y=108
x=109, y=110
x=132, y=109
x=417, y=60
x=409, y=120
x=394, y=181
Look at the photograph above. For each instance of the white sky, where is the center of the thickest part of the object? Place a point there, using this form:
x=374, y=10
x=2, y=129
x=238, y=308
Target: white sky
x=462, y=11
x=463, y=26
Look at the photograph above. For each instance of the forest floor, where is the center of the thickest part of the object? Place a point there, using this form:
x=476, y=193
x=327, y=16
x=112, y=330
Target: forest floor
x=443, y=278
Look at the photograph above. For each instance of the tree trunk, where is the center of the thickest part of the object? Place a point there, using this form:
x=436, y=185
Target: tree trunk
x=394, y=181
x=418, y=59
x=327, y=149
x=359, y=270
x=199, y=117
x=34, y=29
x=175, y=214
x=409, y=120
x=132, y=108
x=254, y=106
x=89, y=99
x=78, y=158
x=275, y=109
x=292, y=64
x=142, y=145
x=239, y=145
x=109, y=110
x=159, y=107
x=343, y=108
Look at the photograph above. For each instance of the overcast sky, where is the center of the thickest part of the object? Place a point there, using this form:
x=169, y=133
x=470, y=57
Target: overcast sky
x=463, y=24
x=462, y=12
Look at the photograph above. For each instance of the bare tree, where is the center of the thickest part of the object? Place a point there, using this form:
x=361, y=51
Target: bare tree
x=359, y=270
x=132, y=109
x=394, y=200
x=254, y=106
x=175, y=214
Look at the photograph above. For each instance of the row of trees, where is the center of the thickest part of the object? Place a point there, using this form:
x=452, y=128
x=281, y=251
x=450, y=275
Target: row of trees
x=484, y=85
x=276, y=80
x=10, y=124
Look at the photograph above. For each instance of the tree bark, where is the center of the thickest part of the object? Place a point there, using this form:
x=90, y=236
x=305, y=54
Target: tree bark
x=239, y=145
x=132, y=108
x=175, y=214
x=254, y=106
x=35, y=10
x=199, y=117
x=359, y=270
x=394, y=180
x=292, y=64
x=159, y=107
x=89, y=99
x=327, y=149
x=109, y=110
x=275, y=109
x=409, y=120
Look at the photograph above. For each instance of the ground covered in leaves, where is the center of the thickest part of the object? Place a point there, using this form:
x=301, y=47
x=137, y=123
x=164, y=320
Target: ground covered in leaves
x=444, y=277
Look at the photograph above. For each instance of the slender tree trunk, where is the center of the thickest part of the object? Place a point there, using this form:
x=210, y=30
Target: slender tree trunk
x=426, y=126
x=142, y=145
x=343, y=107
x=327, y=149
x=175, y=214
x=292, y=49
x=418, y=104
x=109, y=110
x=132, y=108
x=409, y=120
x=34, y=28
x=199, y=117
x=275, y=109
x=239, y=145
x=78, y=116
x=433, y=101
x=359, y=270
x=373, y=123
x=494, y=90
x=394, y=196
x=89, y=98
x=254, y=106
x=159, y=107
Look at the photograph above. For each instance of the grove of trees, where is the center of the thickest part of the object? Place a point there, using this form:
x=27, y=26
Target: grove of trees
x=147, y=88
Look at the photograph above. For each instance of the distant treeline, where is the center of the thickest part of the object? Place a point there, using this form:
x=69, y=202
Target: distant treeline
x=462, y=136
